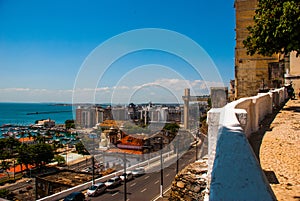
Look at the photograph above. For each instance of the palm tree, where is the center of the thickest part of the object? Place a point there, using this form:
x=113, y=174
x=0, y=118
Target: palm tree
x=22, y=134
x=25, y=155
x=38, y=136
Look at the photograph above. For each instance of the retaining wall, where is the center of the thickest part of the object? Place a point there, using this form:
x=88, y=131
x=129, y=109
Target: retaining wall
x=234, y=172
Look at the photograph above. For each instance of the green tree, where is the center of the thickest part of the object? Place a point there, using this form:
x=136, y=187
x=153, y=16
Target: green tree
x=172, y=127
x=40, y=138
x=59, y=159
x=25, y=155
x=9, y=147
x=4, y=193
x=69, y=124
x=22, y=134
x=276, y=28
x=3, y=152
x=42, y=153
x=80, y=148
x=5, y=165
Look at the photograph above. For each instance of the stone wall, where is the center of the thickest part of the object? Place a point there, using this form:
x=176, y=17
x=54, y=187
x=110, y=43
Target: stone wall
x=295, y=70
x=250, y=71
x=190, y=183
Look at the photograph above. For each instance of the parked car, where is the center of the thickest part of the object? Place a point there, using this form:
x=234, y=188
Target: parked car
x=138, y=171
x=128, y=175
x=88, y=169
x=75, y=196
x=96, y=189
x=113, y=182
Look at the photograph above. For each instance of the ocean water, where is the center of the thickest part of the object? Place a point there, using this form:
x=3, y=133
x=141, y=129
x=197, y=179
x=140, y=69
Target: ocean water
x=28, y=113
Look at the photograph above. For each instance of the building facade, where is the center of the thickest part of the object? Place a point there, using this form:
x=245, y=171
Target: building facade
x=252, y=73
x=85, y=117
x=294, y=72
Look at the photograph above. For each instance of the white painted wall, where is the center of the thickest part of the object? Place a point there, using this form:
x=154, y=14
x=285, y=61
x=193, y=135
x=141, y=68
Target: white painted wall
x=233, y=170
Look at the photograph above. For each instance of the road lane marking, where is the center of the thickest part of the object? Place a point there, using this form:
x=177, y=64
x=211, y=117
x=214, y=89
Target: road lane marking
x=156, y=182
x=115, y=194
x=143, y=190
x=147, y=177
x=133, y=184
x=167, y=175
x=158, y=197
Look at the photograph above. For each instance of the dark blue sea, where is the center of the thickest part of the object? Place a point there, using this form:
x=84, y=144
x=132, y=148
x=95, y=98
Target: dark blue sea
x=27, y=113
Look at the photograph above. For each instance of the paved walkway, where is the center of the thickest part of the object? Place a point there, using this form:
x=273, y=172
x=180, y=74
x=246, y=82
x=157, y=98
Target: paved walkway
x=278, y=146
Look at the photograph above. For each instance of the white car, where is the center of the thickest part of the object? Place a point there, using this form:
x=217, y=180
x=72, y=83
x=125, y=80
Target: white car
x=113, y=182
x=138, y=171
x=129, y=176
x=88, y=169
x=96, y=189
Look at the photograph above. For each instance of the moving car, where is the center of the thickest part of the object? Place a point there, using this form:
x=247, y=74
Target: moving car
x=138, y=171
x=113, y=182
x=75, y=196
x=96, y=189
x=128, y=175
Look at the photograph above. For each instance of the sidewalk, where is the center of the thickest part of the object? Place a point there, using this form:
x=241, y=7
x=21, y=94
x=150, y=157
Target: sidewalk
x=279, y=151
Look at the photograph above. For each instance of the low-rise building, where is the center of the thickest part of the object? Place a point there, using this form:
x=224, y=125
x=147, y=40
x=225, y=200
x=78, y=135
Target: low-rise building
x=48, y=123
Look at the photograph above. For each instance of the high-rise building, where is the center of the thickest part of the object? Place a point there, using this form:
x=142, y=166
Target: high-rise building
x=158, y=114
x=120, y=113
x=85, y=117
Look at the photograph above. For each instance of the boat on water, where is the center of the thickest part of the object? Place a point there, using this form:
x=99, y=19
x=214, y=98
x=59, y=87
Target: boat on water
x=8, y=134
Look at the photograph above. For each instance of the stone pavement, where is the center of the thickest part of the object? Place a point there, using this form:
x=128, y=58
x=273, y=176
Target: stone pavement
x=278, y=146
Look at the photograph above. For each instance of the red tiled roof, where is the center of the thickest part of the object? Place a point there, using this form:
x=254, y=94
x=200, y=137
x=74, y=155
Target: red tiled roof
x=124, y=151
x=26, y=139
x=18, y=168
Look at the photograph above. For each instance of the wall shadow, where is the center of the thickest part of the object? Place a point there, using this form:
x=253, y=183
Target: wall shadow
x=255, y=139
x=271, y=177
x=292, y=108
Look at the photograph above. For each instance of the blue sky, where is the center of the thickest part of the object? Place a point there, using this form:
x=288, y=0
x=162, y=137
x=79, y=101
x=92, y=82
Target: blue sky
x=43, y=44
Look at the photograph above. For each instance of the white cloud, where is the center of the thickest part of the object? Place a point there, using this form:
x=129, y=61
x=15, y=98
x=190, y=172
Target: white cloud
x=164, y=90
x=14, y=89
x=102, y=89
x=34, y=95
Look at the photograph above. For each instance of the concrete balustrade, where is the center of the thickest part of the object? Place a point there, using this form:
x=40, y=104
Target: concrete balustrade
x=234, y=172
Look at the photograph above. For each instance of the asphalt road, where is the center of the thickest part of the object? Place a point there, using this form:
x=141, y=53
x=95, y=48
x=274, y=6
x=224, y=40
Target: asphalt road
x=147, y=187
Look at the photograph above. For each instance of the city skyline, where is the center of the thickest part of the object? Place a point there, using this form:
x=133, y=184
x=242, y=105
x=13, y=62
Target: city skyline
x=43, y=47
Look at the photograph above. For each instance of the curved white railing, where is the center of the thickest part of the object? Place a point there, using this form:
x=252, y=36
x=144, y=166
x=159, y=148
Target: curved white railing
x=233, y=170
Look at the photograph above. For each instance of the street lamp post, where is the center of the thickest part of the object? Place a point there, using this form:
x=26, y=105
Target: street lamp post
x=161, y=169
x=177, y=158
x=125, y=179
x=93, y=168
x=14, y=171
x=93, y=136
x=197, y=144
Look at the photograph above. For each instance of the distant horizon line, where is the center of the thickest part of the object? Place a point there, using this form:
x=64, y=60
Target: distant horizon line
x=68, y=103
